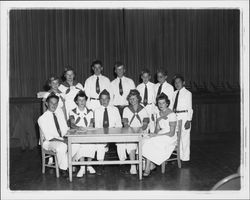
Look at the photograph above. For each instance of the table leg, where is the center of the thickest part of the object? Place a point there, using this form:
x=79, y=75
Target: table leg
x=70, y=158
x=140, y=158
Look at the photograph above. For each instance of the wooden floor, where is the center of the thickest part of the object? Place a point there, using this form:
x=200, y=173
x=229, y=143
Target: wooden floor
x=210, y=162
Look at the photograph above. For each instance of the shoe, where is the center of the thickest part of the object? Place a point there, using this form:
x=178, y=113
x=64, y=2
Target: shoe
x=146, y=174
x=50, y=162
x=133, y=169
x=91, y=170
x=152, y=167
x=81, y=172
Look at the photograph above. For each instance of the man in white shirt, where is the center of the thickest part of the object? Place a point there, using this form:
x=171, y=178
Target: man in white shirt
x=182, y=106
x=95, y=84
x=105, y=116
x=54, y=127
x=121, y=87
x=163, y=86
x=146, y=89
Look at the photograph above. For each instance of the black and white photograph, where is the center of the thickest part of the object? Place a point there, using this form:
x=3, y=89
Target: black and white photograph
x=125, y=99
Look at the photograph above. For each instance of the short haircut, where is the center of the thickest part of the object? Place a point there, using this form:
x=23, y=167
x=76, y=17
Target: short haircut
x=162, y=96
x=136, y=93
x=118, y=64
x=163, y=71
x=178, y=76
x=51, y=96
x=96, y=62
x=104, y=92
x=145, y=71
x=68, y=68
x=80, y=94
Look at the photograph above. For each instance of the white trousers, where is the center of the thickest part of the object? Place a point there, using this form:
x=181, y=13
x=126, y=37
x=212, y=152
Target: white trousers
x=60, y=149
x=122, y=148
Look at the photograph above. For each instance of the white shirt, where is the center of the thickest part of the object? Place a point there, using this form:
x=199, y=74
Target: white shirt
x=113, y=115
x=72, y=92
x=79, y=116
x=128, y=115
x=90, y=86
x=127, y=85
x=151, y=92
x=184, y=103
x=47, y=124
x=166, y=89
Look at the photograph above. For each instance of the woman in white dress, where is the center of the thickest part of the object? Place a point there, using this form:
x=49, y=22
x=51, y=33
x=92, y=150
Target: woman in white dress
x=70, y=87
x=160, y=145
x=80, y=118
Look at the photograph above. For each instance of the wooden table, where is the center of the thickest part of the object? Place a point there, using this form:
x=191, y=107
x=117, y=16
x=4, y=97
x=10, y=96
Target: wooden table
x=105, y=135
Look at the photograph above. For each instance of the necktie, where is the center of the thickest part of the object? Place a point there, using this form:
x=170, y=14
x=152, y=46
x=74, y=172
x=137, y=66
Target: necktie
x=176, y=101
x=57, y=125
x=105, y=119
x=120, y=87
x=159, y=90
x=145, y=99
x=85, y=121
x=97, y=86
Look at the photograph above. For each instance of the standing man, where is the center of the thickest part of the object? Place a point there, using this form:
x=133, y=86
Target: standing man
x=95, y=84
x=182, y=106
x=146, y=89
x=54, y=127
x=121, y=87
x=163, y=86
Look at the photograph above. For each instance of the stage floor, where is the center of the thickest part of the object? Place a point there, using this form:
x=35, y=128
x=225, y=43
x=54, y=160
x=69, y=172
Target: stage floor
x=210, y=162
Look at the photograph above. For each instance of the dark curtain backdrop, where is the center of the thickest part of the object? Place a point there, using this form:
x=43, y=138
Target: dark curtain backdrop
x=203, y=45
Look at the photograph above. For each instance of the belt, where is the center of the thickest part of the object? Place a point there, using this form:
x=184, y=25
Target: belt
x=91, y=98
x=181, y=111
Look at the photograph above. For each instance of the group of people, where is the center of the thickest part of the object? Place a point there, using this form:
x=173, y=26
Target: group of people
x=155, y=108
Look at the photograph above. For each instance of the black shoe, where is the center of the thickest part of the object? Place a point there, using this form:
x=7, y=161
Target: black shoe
x=64, y=173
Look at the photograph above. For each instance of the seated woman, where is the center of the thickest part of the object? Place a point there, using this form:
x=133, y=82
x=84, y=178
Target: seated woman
x=53, y=83
x=80, y=118
x=160, y=145
x=135, y=115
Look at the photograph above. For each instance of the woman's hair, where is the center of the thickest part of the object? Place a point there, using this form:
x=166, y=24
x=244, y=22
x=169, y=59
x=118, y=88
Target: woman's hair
x=80, y=94
x=136, y=93
x=163, y=96
x=68, y=68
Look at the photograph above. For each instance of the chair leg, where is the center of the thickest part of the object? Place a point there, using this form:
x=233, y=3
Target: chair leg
x=163, y=165
x=57, y=168
x=178, y=158
x=43, y=162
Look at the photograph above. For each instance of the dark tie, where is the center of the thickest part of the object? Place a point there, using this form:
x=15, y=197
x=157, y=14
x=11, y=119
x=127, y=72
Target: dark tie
x=176, y=101
x=105, y=119
x=159, y=90
x=145, y=99
x=120, y=87
x=57, y=125
x=85, y=121
x=97, y=86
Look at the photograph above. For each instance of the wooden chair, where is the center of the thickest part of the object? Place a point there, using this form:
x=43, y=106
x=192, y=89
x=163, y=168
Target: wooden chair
x=231, y=182
x=176, y=152
x=47, y=154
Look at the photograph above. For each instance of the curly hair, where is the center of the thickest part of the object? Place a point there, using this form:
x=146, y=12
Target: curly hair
x=80, y=94
x=163, y=96
x=136, y=93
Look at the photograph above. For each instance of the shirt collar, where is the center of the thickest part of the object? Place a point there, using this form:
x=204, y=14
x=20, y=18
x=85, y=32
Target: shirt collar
x=140, y=107
x=95, y=76
x=66, y=84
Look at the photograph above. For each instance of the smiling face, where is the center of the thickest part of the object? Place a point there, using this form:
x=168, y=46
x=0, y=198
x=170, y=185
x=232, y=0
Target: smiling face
x=97, y=68
x=81, y=102
x=120, y=71
x=161, y=77
x=145, y=77
x=52, y=104
x=178, y=83
x=133, y=100
x=69, y=75
x=54, y=84
x=162, y=105
x=104, y=100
